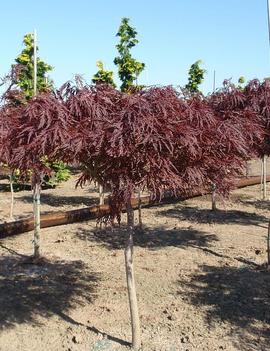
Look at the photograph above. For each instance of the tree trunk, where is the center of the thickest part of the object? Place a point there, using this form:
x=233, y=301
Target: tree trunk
x=133, y=304
x=261, y=188
x=12, y=196
x=268, y=246
x=247, y=169
x=101, y=194
x=214, y=205
x=140, y=208
x=36, y=208
x=264, y=177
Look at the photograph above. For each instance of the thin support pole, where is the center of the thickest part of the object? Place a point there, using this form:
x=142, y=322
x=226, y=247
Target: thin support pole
x=35, y=64
x=36, y=208
x=140, y=208
x=11, y=177
x=36, y=178
x=264, y=177
x=268, y=246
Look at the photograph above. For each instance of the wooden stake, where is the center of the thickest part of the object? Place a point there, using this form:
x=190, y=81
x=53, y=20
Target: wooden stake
x=36, y=207
x=12, y=196
x=268, y=246
x=264, y=177
x=36, y=178
x=139, y=208
x=35, y=64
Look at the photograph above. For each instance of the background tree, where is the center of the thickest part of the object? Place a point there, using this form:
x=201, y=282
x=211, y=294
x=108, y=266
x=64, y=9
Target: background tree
x=196, y=77
x=103, y=75
x=32, y=135
x=241, y=81
x=258, y=98
x=128, y=67
x=25, y=77
x=24, y=80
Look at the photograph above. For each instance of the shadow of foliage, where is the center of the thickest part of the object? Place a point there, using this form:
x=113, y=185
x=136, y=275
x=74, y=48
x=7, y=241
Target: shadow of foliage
x=201, y=215
x=259, y=204
x=152, y=238
x=59, y=200
x=239, y=296
x=29, y=291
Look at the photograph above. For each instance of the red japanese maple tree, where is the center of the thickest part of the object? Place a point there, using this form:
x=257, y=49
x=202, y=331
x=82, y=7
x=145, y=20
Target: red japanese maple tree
x=154, y=139
x=34, y=132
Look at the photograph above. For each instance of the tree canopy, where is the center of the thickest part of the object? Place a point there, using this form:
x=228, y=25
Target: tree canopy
x=196, y=77
x=103, y=75
x=128, y=67
x=25, y=77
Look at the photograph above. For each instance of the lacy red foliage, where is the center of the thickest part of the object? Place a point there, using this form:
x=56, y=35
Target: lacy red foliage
x=154, y=139
x=258, y=100
x=240, y=133
x=35, y=130
x=157, y=140
x=6, y=149
x=234, y=105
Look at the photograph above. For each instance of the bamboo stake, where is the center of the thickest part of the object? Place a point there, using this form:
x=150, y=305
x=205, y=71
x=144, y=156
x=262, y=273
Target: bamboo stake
x=264, y=177
x=268, y=247
x=36, y=198
x=35, y=64
x=35, y=177
x=140, y=208
x=213, y=193
x=261, y=184
x=12, y=196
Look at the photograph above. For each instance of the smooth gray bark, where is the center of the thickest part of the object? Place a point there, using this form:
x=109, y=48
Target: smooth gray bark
x=133, y=303
x=36, y=208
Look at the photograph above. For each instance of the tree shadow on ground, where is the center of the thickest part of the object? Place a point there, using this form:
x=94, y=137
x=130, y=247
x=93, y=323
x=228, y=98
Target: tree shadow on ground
x=201, y=215
x=59, y=200
x=29, y=291
x=5, y=187
x=152, y=238
x=238, y=296
x=259, y=204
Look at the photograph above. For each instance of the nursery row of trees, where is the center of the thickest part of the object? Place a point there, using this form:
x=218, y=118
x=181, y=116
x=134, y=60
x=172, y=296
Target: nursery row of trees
x=156, y=139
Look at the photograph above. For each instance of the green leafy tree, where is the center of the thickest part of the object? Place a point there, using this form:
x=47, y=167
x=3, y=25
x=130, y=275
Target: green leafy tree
x=241, y=82
x=128, y=67
x=102, y=75
x=25, y=77
x=24, y=80
x=196, y=77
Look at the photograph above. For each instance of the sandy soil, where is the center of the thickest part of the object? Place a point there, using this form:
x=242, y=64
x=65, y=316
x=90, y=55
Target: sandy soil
x=200, y=282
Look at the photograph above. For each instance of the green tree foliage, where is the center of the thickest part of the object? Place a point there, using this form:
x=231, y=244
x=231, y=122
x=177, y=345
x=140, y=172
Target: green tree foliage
x=102, y=75
x=25, y=76
x=196, y=77
x=241, y=82
x=61, y=173
x=24, y=80
x=128, y=67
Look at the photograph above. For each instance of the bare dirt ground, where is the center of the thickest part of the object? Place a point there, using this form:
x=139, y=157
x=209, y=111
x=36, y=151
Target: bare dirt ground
x=200, y=282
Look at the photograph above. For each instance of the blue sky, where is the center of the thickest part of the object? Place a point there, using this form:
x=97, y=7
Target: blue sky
x=230, y=36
